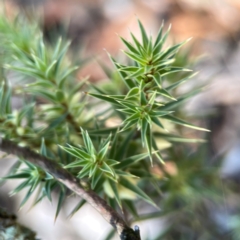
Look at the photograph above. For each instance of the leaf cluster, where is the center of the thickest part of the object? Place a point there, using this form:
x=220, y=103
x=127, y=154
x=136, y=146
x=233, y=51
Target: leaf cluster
x=61, y=122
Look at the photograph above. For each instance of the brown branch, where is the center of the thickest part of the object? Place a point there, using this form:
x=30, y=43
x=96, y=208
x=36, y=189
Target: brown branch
x=71, y=182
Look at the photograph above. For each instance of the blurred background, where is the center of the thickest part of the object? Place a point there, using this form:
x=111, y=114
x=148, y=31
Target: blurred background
x=94, y=25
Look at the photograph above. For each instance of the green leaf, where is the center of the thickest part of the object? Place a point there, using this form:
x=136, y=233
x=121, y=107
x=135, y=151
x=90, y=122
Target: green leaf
x=123, y=147
x=113, y=149
x=157, y=80
x=174, y=85
x=125, y=174
x=103, y=131
x=143, y=99
x=148, y=139
x=112, y=162
x=129, y=46
x=35, y=183
x=65, y=74
x=152, y=98
x=181, y=122
x=24, y=112
x=133, y=187
x=18, y=175
x=175, y=138
x=140, y=48
x=85, y=171
x=43, y=150
x=88, y=142
x=93, y=170
x=159, y=43
x=43, y=93
x=59, y=57
x=131, y=207
x=129, y=104
x=164, y=93
x=128, y=125
x=95, y=178
x=81, y=163
x=47, y=74
x=159, y=36
x=157, y=113
x=20, y=187
x=133, y=94
x=130, y=84
x=157, y=122
x=57, y=48
x=144, y=126
x=106, y=168
x=131, y=160
x=174, y=104
x=49, y=185
x=102, y=153
x=61, y=198
x=41, y=49
x=149, y=47
x=27, y=196
x=5, y=100
x=77, y=207
x=127, y=111
x=106, y=98
x=144, y=35
x=170, y=70
x=136, y=74
x=136, y=58
x=105, y=142
x=28, y=71
x=77, y=87
x=132, y=117
x=172, y=50
x=76, y=152
x=157, y=153
x=113, y=186
x=56, y=122
x=128, y=69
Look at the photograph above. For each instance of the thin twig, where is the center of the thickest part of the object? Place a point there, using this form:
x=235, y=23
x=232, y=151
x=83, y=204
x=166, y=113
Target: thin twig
x=71, y=182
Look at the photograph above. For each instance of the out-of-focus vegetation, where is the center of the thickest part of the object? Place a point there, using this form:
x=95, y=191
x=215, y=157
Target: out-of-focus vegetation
x=197, y=195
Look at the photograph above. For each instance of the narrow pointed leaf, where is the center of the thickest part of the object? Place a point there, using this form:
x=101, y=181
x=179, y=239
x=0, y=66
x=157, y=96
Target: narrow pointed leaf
x=157, y=153
x=129, y=46
x=130, y=84
x=20, y=187
x=131, y=208
x=95, y=179
x=181, y=122
x=136, y=58
x=127, y=184
x=157, y=122
x=27, y=196
x=105, y=98
x=131, y=160
x=77, y=207
x=115, y=191
x=144, y=126
x=144, y=35
x=107, y=169
x=122, y=150
x=61, y=198
x=174, y=85
x=148, y=139
x=159, y=36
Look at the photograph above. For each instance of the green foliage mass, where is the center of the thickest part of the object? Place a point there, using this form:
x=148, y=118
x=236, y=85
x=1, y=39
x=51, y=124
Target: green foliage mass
x=59, y=118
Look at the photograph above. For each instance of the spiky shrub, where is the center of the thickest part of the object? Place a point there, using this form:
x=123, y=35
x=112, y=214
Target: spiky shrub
x=58, y=117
